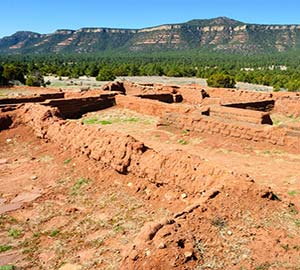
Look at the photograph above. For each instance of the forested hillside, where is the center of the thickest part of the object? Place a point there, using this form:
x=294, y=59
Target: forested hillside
x=282, y=71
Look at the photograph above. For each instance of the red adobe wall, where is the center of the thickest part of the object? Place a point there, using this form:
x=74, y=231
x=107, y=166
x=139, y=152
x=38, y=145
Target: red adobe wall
x=288, y=104
x=191, y=94
x=285, y=102
x=149, y=107
x=235, y=96
x=75, y=107
x=255, y=133
x=125, y=154
x=32, y=98
x=240, y=115
x=156, y=108
x=134, y=89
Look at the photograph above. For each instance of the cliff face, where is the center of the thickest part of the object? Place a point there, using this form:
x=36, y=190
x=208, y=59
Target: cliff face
x=220, y=34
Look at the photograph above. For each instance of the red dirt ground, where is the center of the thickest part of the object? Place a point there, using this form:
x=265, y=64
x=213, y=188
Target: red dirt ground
x=127, y=195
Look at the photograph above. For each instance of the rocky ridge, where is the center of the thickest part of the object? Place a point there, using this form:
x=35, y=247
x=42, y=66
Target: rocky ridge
x=219, y=35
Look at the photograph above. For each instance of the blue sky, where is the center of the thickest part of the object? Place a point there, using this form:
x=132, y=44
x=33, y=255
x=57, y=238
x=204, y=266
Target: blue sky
x=45, y=16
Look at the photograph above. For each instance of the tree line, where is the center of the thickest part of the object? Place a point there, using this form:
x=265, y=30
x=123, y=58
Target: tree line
x=282, y=71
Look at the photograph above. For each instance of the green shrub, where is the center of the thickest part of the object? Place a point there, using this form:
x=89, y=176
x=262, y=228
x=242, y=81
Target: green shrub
x=7, y=267
x=4, y=248
x=221, y=80
x=35, y=79
x=14, y=233
x=105, y=74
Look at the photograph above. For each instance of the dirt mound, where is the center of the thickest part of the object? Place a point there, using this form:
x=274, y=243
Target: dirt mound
x=236, y=226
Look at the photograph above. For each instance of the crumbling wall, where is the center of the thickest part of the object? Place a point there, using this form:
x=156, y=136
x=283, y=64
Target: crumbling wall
x=163, y=93
x=263, y=106
x=76, y=107
x=193, y=94
x=30, y=99
x=288, y=105
x=285, y=103
x=198, y=123
x=134, y=89
x=123, y=153
x=240, y=115
x=236, y=96
x=114, y=86
x=164, y=97
x=149, y=107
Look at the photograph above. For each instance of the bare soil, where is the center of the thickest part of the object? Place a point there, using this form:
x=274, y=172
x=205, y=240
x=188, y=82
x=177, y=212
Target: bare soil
x=62, y=209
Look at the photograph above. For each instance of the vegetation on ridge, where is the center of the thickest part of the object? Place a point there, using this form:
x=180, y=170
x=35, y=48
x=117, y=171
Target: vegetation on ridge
x=282, y=71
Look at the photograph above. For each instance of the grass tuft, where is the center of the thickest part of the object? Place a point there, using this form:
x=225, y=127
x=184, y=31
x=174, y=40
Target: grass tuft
x=7, y=267
x=183, y=142
x=96, y=121
x=77, y=186
x=4, y=248
x=14, y=233
x=54, y=233
x=67, y=161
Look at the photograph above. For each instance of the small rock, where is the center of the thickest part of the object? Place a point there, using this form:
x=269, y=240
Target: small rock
x=229, y=232
x=188, y=254
x=134, y=255
x=129, y=184
x=244, y=256
x=3, y=161
x=34, y=177
x=183, y=195
x=148, y=253
x=162, y=245
x=8, y=140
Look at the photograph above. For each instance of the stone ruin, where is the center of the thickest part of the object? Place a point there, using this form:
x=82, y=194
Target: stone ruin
x=234, y=115
x=237, y=114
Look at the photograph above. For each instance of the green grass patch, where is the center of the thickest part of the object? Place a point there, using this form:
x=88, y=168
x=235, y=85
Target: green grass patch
x=96, y=121
x=131, y=119
x=14, y=233
x=54, y=233
x=118, y=228
x=7, y=267
x=4, y=248
x=264, y=266
x=183, y=142
x=276, y=122
x=78, y=185
x=67, y=161
x=112, y=120
x=105, y=122
x=293, y=192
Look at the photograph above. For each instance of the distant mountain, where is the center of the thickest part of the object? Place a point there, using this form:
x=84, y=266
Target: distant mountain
x=219, y=34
